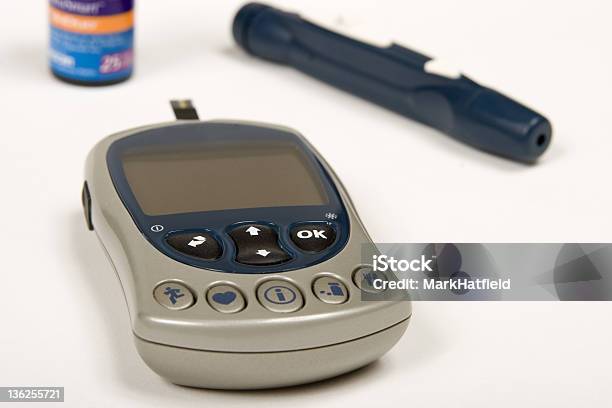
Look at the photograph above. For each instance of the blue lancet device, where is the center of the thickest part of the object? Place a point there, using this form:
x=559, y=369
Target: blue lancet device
x=397, y=78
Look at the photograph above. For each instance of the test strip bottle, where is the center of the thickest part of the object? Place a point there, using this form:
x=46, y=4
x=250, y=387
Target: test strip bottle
x=92, y=41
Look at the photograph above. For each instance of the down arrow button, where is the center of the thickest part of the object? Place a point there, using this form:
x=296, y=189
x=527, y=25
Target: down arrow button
x=257, y=245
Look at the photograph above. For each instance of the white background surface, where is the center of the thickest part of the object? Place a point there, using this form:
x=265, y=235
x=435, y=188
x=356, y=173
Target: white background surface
x=64, y=321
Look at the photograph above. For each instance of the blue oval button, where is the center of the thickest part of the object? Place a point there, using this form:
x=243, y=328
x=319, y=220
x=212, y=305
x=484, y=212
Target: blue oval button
x=225, y=299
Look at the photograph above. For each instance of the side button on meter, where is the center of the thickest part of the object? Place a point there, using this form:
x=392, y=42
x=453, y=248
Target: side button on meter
x=86, y=200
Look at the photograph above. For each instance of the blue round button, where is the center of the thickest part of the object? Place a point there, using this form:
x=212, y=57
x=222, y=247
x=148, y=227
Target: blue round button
x=280, y=296
x=225, y=299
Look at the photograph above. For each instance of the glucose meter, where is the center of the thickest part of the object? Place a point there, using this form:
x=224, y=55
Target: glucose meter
x=240, y=255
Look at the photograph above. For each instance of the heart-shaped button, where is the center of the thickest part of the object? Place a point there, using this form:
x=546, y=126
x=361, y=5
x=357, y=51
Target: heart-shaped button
x=224, y=298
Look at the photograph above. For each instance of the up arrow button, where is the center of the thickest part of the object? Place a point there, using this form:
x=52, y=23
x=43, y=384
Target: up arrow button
x=253, y=231
x=257, y=245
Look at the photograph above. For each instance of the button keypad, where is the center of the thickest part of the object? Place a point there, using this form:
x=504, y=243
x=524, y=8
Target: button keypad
x=257, y=245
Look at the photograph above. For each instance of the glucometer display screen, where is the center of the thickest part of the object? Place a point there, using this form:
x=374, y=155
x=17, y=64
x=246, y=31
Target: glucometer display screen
x=221, y=176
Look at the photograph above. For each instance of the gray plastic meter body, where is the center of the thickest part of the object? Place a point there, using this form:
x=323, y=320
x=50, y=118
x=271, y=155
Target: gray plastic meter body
x=240, y=255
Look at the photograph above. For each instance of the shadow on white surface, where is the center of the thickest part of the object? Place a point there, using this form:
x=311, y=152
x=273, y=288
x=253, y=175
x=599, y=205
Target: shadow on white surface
x=356, y=378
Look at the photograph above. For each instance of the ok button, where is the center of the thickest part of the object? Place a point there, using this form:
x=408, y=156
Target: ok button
x=313, y=237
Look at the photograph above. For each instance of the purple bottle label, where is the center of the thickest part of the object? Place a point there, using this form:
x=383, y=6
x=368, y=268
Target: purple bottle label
x=93, y=7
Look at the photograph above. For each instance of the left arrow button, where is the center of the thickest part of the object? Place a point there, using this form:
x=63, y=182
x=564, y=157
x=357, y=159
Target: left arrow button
x=197, y=244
